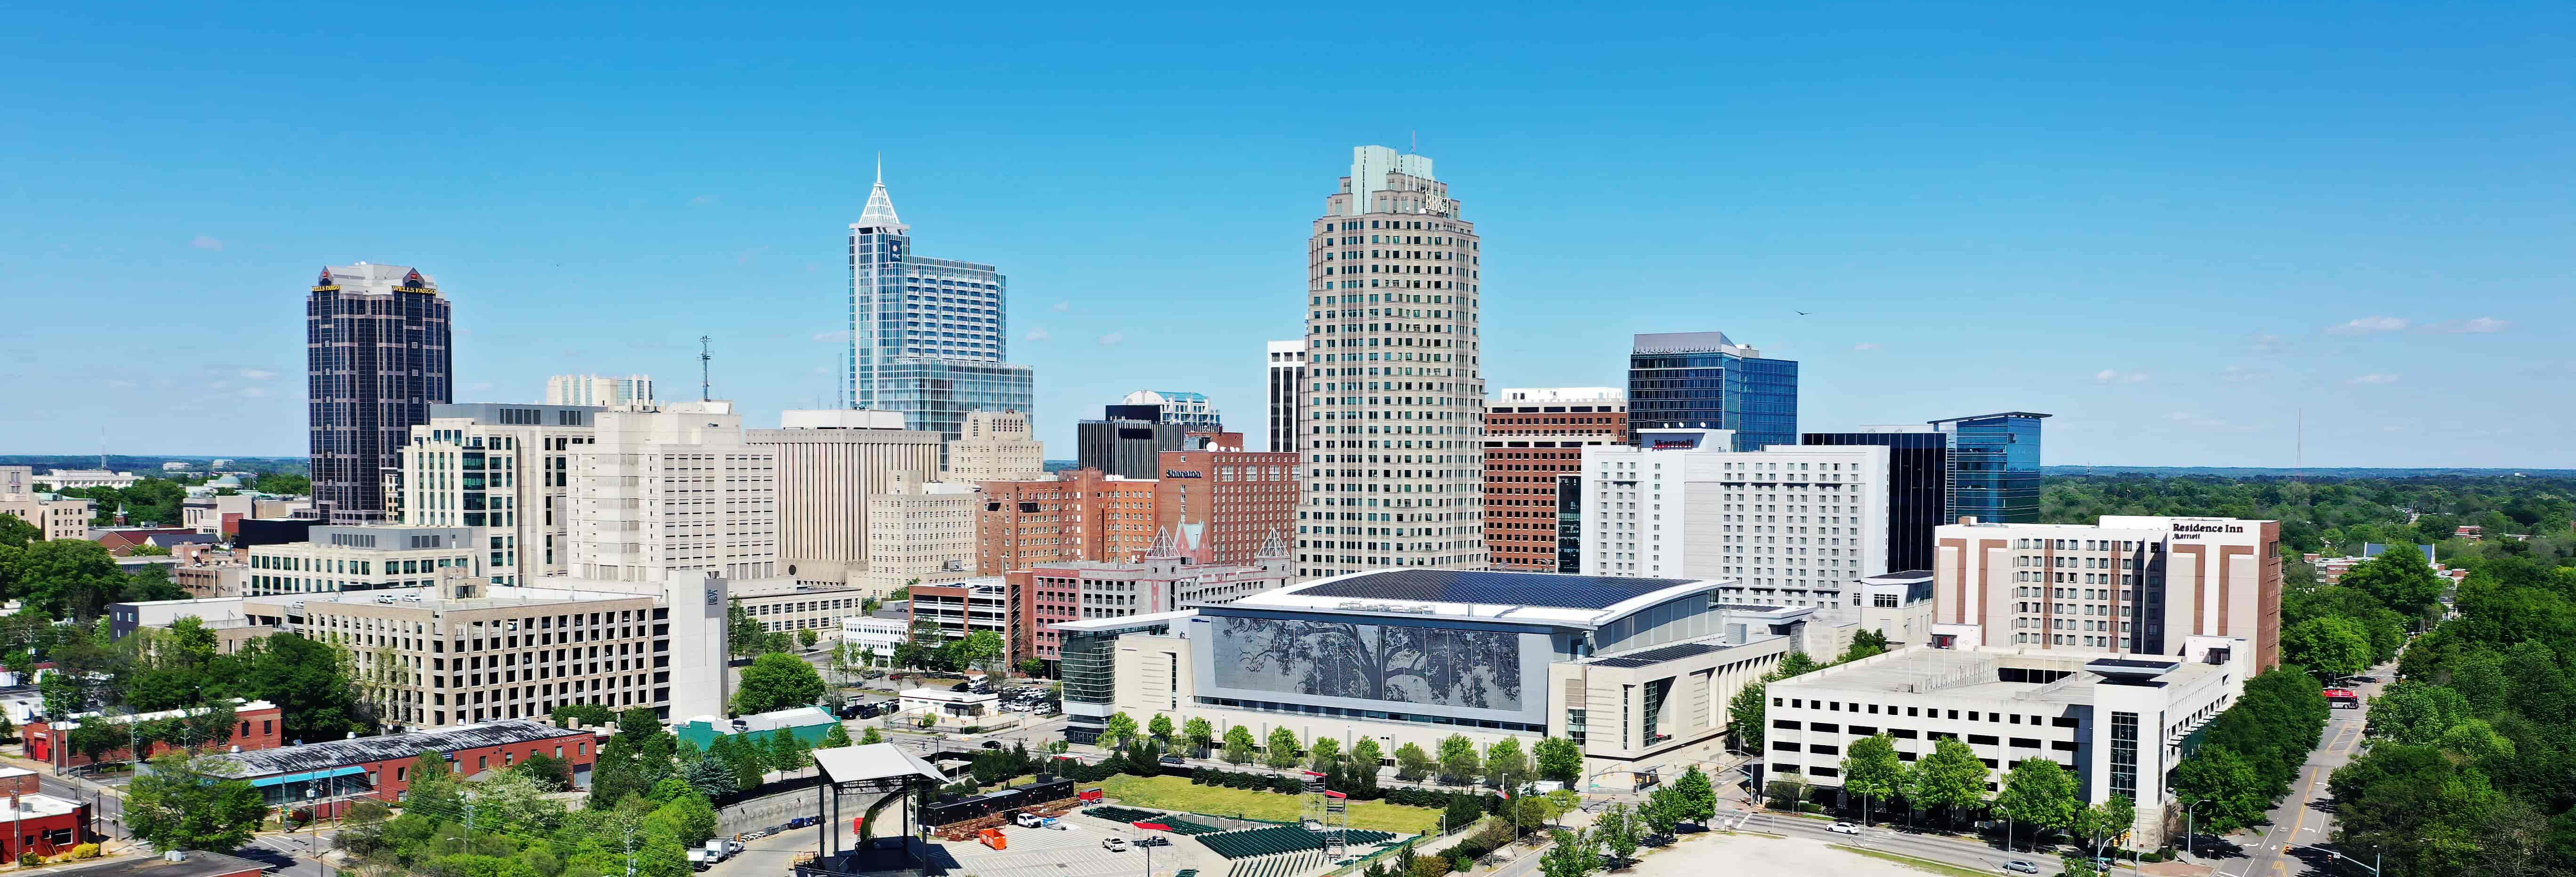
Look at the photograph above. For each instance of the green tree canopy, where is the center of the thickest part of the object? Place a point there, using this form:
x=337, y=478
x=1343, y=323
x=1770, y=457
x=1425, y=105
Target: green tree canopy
x=1745, y=716
x=1239, y=745
x=2398, y=578
x=183, y=804
x=1160, y=728
x=1201, y=735
x=777, y=681
x=1282, y=750
x=1411, y=763
x=1119, y=731
x=1871, y=768
x=1458, y=759
x=1950, y=779
x=1506, y=764
x=2235, y=797
x=1559, y=759
x=2332, y=647
x=2039, y=793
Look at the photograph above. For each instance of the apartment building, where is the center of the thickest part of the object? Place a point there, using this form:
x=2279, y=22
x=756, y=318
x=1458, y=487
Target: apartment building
x=361, y=558
x=920, y=533
x=1788, y=525
x=2129, y=584
x=1080, y=514
x=1534, y=438
x=830, y=463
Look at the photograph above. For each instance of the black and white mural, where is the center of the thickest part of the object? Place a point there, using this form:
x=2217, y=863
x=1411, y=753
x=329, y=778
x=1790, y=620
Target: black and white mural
x=1472, y=669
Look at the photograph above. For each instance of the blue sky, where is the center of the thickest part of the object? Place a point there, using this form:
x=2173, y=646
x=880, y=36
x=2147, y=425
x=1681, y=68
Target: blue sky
x=2171, y=226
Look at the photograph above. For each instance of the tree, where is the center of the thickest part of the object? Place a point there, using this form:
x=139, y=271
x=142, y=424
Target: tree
x=308, y=682
x=777, y=681
x=746, y=635
x=2399, y=578
x=1504, y=764
x=837, y=737
x=807, y=637
x=2105, y=823
x=1327, y=753
x=2416, y=713
x=784, y=753
x=66, y=578
x=1558, y=758
x=1366, y=756
x=1239, y=745
x=1458, y=759
x=1200, y=734
x=2233, y=794
x=15, y=532
x=1744, y=716
x=283, y=483
x=548, y=772
x=2331, y=647
x=689, y=817
x=185, y=805
x=1032, y=667
x=1160, y=727
x=1870, y=770
x=1950, y=779
x=1864, y=644
x=589, y=715
x=1282, y=751
x=1619, y=831
x=1697, y=795
x=711, y=776
x=2040, y=793
x=1118, y=731
x=870, y=735
x=1574, y=855
x=1795, y=663
x=979, y=649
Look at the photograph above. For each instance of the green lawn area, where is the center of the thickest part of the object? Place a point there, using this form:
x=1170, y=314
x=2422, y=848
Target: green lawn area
x=1176, y=793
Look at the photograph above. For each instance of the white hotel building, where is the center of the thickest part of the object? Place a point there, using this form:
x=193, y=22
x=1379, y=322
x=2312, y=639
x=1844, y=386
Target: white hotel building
x=1787, y=525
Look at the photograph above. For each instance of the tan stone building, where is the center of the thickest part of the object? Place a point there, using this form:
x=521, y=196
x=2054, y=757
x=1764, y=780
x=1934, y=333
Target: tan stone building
x=995, y=446
x=920, y=533
x=829, y=464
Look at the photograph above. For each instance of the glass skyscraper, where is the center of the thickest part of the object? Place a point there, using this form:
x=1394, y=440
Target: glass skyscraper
x=1918, y=486
x=928, y=337
x=1994, y=465
x=1703, y=380
x=376, y=357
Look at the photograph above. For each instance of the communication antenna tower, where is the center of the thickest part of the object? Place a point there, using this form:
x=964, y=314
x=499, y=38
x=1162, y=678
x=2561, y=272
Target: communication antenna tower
x=705, y=385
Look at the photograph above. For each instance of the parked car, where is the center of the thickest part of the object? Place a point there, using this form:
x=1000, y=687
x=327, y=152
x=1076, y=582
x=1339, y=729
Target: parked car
x=2024, y=866
x=1029, y=820
x=1114, y=844
x=1153, y=841
x=992, y=744
x=1845, y=828
x=1175, y=759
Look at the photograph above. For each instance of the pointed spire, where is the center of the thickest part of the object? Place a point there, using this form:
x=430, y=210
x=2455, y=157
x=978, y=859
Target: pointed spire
x=1272, y=548
x=1162, y=546
x=880, y=210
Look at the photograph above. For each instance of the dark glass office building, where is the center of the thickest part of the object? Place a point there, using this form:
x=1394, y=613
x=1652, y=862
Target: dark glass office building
x=376, y=357
x=1918, y=487
x=1703, y=380
x=1994, y=466
x=1126, y=448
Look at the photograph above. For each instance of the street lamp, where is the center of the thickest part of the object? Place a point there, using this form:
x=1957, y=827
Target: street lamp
x=2187, y=817
x=2373, y=866
x=312, y=820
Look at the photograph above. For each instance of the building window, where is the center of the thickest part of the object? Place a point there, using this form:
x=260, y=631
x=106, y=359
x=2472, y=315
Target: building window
x=2124, y=754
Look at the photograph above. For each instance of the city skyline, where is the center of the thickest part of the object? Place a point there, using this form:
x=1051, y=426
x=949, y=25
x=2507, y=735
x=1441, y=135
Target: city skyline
x=2174, y=290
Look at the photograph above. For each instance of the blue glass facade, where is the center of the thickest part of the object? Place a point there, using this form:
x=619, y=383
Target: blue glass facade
x=1700, y=380
x=1994, y=466
x=928, y=337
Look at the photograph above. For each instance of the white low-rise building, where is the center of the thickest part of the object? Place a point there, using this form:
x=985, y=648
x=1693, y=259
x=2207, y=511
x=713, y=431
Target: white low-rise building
x=2119, y=722
x=878, y=635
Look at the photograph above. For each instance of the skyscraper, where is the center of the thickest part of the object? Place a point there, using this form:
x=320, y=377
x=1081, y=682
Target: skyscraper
x=1704, y=380
x=601, y=390
x=1918, y=486
x=376, y=357
x=928, y=337
x=1994, y=464
x=1534, y=440
x=1167, y=406
x=1286, y=382
x=1395, y=446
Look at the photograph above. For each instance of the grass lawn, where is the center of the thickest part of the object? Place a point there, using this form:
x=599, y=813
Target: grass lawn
x=1912, y=862
x=1176, y=793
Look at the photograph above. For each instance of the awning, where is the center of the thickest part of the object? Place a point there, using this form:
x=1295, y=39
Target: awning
x=304, y=776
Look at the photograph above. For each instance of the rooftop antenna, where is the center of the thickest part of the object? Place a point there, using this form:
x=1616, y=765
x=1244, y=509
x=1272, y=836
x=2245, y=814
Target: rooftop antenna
x=705, y=385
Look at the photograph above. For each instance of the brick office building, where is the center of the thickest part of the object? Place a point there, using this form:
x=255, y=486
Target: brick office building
x=380, y=768
x=50, y=741
x=1170, y=576
x=1227, y=499
x=1082, y=514
x=1532, y=436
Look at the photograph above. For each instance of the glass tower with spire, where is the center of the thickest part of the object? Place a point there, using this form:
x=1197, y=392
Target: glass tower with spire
x=928, y=337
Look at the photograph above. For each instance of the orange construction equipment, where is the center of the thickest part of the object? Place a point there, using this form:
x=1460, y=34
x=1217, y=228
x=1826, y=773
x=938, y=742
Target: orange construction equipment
x=992, y=837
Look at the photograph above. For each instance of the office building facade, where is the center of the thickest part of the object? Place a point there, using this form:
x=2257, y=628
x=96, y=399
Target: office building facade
x=673, y=496
x=920, y=533
x=1125, y=448
x=995, y=446
x=1395, y=443
x=1167, y=406
x=1783, y=526
x=501, y=471
x=376, y=349
x=631, y=391
x=1080, y=514
x=1284, y=384
x=1704, y=380
x=830, y=463
x=1918, y=485
x=1994, y=462
x=1533, y=437
x=1224, y=505
x=375, y=557
x=2131, y=584
x=928, y=337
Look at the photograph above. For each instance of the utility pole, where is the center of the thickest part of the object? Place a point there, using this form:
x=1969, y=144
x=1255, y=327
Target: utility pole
x=630, y=850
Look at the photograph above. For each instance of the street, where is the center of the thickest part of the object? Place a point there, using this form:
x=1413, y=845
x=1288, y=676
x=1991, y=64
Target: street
x=2289, y=846
x=1938, y=848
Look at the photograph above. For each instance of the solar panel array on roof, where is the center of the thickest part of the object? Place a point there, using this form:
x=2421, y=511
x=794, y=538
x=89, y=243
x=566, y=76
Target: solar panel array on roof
x=1503, y=588
x=1658, y=655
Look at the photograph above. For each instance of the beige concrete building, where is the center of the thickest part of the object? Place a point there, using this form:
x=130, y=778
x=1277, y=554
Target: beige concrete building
x=360, y=558
x=920, y=533
x=214, y=574
x=631, y=391
x=675, y=495
x=784, y=606
x=55, y=516
x=995, y=446
x=466, y=651
x=830, y=464
x=1395, y=405
x=503, y=471
x=2132, y=584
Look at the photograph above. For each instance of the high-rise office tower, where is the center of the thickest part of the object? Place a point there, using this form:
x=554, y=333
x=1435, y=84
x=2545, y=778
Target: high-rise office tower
x=1395, y=447
x=1534, y=438
x=1994, y=465
x=504, y=471
x=928, y=337
x=1704, y=380
x=1286, y=383
x=376, y=357
x=829, y=464
x=1783, y=526
x=1918, y=485
x=601, y=390
x=673, y=496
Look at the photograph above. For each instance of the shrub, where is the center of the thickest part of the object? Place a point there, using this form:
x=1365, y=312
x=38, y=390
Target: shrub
x=85, y=851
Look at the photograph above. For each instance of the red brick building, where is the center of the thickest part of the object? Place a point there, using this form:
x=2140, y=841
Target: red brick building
x=1082, y=514
x=1531, y=437
x=43, y=824
x=1169, y=577
x=50, y=742
x=1228, y=500
x=380, y=768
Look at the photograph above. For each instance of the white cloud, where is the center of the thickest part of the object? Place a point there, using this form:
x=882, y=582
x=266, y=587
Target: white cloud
x=840, y=337
x=478, y=388
x=1037, y=334
x=1112, y=338
x=2267, y=343
x=2196, y=419
x=258, y=374
x=2477, y=326
x=2367, y=325
x=1865, y=346
x=122, y=384
x=819, y=370
x=703, y=200
x=2391, y=428
x=2238, y=374
x=2374, y=378
x=1063, y=306
x=2114, y=376
x=254, y=392
x=204, y=242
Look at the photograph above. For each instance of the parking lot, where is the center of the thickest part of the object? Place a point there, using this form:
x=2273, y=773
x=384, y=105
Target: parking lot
x=1076, y=852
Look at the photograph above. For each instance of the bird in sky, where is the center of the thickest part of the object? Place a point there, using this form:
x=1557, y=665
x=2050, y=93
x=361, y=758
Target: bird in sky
x=1800, y=313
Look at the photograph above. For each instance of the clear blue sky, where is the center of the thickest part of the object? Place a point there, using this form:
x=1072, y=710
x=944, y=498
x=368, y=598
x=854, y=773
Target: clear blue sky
x=2168, y=225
